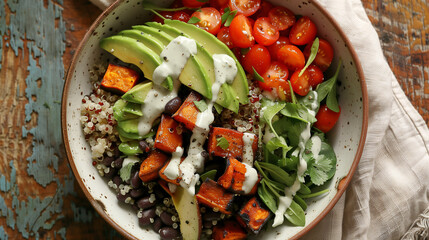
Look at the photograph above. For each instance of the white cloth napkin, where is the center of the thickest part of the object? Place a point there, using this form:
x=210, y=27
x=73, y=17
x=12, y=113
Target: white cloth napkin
x=389, y=195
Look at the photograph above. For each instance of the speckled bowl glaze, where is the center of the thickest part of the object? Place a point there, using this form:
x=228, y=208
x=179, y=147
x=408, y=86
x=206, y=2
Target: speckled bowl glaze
x=347, y=138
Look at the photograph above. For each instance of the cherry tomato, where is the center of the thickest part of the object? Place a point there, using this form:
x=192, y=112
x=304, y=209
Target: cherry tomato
x=303, y=31
x=324, y=56
x=281, y=18
x=210, y=19
x=238, y=54
x=257, y=57
x=291, y=56
x=224, y=36
x=192, y=3
x=326, y=118
x=274, y=48
x=245, y=7
x=275, y=79
x=219, y=4
x=240, y=31
x=316, y=75
x=263, y=10
x=165, y=14
x=181, y=16
x=300, y=84
x=264, y=33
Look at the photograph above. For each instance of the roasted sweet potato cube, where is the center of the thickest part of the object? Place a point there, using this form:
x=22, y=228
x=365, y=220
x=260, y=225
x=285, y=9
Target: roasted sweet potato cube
x=215, y=196
x=149, y=169
x=188, y=112
x=229, y=231
x=234, y=140
x=253, y=215
x=119, y=79
x=165, y=178
x=169, y=135
x=234, y=176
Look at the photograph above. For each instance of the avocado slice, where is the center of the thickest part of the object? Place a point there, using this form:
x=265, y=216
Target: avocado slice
x=194, y=74
x=224, y=99
x=215, y=46
x=138, y=93
x=150, y=41
x=133, y=108
x=118, y=111
x=130, y=148
x=129, y=129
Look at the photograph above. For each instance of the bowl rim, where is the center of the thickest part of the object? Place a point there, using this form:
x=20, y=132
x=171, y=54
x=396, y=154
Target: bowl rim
x=342, y=185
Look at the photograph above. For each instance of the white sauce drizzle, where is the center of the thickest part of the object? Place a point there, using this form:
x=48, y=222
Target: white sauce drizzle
x=248, y=139
x=250, y=178
x=172, y=170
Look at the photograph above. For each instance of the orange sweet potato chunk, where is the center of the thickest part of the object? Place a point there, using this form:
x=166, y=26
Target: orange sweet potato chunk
x=253, y=215
x=168, y=136
x=150, y=167
x=215, y=196
x=229, y=231
x=119, y=79
x=188, y=112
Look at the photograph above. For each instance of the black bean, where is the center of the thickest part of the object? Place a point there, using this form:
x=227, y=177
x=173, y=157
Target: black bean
x=121, y=197
x=144, y=146
x=111, y=173
x=211, y=216
x=118, y=163
x=136, y=182
x=137, y=193
x=173, y=105
x=157, y=224
x=146, y=216
x=116, y=152
x=107, y=161
x=159, y=192
x=144, y=203
x=208, y=224
x=166, y=218
x=168, y=233
x=205, y=155
x=117, y=180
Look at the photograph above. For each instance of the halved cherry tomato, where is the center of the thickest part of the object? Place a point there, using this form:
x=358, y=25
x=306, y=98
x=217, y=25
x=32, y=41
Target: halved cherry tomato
x=281, y=18
x=245, y=7
x=324, y=56
x=181, y=16
x=193, y=3
x=264, y=33
x=165, y=14
x=291, y=56
x=257, y=57
x=300, y=84
x=326, y=118
x=316, y=75
x=241, y=31
x=274, y=48
x=238, y=54
x=275, y=79
x=263, y=10
x=219, y=4
x=210, y=19
x=224, y=36
x=303, y=31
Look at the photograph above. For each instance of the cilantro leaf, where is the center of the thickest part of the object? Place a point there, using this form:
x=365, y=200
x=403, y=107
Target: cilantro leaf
x=201, y=105
x=276, y=143
x=194, y=20
x=127, y=165
x=222, y=143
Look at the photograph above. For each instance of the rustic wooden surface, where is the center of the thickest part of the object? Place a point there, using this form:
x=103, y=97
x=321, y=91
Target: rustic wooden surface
x=51, y=205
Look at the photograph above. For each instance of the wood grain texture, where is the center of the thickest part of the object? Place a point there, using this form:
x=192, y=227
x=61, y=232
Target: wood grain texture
x=53, y=206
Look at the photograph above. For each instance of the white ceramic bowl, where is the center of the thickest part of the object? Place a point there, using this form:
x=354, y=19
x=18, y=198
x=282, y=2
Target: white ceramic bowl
x=347, y=138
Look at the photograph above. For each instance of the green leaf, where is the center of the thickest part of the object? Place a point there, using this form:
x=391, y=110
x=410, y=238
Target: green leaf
x=316, y=194
x=301, y=202
x=299, y=112
x=291, y=128
x=304, y=189
x=288, y=164
x=278, y=174
x=267, y=197
x=222, y=143
x=322, y=167
x=295, y=215
x=331, y=100
x=225, y=15
x=209, y=174
x=313, y=53
x=310, y=101
x=325, y=87
x=218, y=108
x=244, y=51
x=292, y=93
x=269, y=111
x=125, y=171
x=194, y=20
x=230, y=18
x=257, y=76
x=201, y=105
x=276, y=143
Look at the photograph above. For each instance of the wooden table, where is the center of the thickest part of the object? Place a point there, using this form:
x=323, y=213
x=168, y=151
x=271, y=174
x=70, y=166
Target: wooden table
x=39, y=197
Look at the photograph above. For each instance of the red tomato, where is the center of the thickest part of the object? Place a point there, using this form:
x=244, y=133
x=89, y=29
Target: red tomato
x=165, y=14
x=316, y=75
x=281, y=18
x=300, y=84
x=241, y=31
x=274, y=48
x=326, y=118
x=275, y=79
x=291, y=56
x=264, y=33
x=219, y=4
x=324, y=56
x=238, y=54
x=245, y=7
x=303, y=31
x=181, y=16
x=257, y=57
x=210, y=19
x=192, y=3
x=263, y=10
x=224, y=36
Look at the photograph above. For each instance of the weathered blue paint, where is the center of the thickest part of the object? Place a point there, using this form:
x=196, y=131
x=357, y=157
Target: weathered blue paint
x=3, y=234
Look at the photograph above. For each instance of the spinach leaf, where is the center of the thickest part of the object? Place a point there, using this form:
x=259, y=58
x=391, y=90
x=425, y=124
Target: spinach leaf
x=291, y=128
x=278, y=174
x=299, y=112
x=269, y=111
x=313, y=53
x=288, y=164
x=295, y=214
x=326, y=87
x=267, y=197
x=276, y=143
x=301, y=202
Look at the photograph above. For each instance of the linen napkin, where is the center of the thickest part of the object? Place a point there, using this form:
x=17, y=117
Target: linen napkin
x=388, y=197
